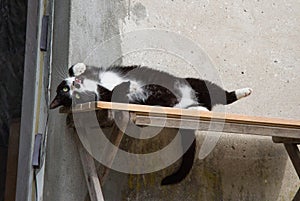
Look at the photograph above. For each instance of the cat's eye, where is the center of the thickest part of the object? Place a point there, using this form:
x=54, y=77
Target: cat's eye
x=65, y=89
x=77, y=96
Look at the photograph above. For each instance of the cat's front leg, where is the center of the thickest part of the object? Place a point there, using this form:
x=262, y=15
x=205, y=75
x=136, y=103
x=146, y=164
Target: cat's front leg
x=77, y=69
x=120, y=93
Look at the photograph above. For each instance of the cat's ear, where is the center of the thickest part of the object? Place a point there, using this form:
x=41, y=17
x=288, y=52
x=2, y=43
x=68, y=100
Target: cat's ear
x=77, y=69
x=56, y=103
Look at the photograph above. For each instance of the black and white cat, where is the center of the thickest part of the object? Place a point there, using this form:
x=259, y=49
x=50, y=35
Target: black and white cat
x=143, y=85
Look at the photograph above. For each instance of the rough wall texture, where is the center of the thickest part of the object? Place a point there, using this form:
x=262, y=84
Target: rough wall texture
x=251, y=44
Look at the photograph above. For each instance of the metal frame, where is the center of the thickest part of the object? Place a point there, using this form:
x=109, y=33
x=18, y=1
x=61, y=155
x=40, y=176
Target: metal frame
x=35, y=96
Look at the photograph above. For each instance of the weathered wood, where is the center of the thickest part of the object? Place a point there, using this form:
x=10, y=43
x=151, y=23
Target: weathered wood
x=90, y=173
x=116, y=138
x=286, y=140
x=216, y=126
x=188, y=114
x=285, y=131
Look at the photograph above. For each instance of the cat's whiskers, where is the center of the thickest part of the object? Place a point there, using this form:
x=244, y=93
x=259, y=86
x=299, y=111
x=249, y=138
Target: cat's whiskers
x=59, y=73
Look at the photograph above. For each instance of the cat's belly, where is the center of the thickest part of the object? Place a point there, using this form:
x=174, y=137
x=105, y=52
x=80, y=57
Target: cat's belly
x=188, y=97
x=110, y=80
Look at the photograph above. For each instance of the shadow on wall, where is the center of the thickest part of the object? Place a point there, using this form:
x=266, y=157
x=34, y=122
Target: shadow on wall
x=239, y=168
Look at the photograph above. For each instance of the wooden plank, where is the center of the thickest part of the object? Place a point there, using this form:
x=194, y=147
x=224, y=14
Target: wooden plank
x=216, y=126
x=116, y=138
x=188, y=114
x=90, y=173
x=285, y=140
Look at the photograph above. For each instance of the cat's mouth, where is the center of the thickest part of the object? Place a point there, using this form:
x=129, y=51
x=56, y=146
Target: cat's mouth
x=58, y=101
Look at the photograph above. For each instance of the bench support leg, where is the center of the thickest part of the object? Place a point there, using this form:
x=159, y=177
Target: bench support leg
x=94, y=182
x=116, y=138
x=90, y=173
x=294, y=155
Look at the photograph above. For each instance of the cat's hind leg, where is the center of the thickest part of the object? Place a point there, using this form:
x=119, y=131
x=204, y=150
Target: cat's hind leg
x=241, y=93
x=237, y=94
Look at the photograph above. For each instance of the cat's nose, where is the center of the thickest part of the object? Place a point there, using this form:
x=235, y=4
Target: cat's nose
x=77, y=86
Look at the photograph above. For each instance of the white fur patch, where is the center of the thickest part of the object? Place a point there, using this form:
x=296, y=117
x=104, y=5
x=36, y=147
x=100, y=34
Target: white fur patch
x=134, y=87
x=199, y=108
x=70, y=81
x=136, y=92
x=87, y=85
x=79, y=68
x=241, y=93
x=110, y=79
x=187, y=98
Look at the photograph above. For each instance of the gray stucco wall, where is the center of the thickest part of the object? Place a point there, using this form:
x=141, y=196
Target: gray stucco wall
x=76, y=32
x=251, y=44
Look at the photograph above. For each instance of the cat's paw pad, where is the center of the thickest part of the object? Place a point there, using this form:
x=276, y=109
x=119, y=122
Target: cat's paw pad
x=241, y=93
x=77, y=69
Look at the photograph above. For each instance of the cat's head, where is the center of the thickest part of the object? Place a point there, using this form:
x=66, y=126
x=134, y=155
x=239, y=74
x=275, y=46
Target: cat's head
x=64, y=93
x=71, y=91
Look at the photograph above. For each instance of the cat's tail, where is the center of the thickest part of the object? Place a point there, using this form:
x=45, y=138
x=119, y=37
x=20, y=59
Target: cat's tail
x=187, y=136
x=210, y=94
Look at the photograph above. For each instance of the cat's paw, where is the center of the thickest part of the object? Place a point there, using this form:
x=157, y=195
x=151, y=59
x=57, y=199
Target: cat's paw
x=199, y=108
x=120, y=92
x=77, y=69
x=241, y=93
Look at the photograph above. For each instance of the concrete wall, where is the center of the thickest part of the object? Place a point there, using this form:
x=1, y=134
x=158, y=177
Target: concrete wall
x=250, y=44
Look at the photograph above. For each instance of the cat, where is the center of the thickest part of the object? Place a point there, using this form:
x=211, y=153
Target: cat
x=143, y=85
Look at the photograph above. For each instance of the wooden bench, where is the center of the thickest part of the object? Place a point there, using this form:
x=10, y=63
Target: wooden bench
x=281, y=130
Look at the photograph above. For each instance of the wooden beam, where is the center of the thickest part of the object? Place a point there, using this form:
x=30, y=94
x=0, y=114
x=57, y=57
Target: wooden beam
x=286, y=140
x=111, y=151
x=188, y=114
x=216, y=126
x=90, y=173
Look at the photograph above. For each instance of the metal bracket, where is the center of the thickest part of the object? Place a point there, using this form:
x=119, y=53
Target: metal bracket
x=36, y=158
x=44, y=33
